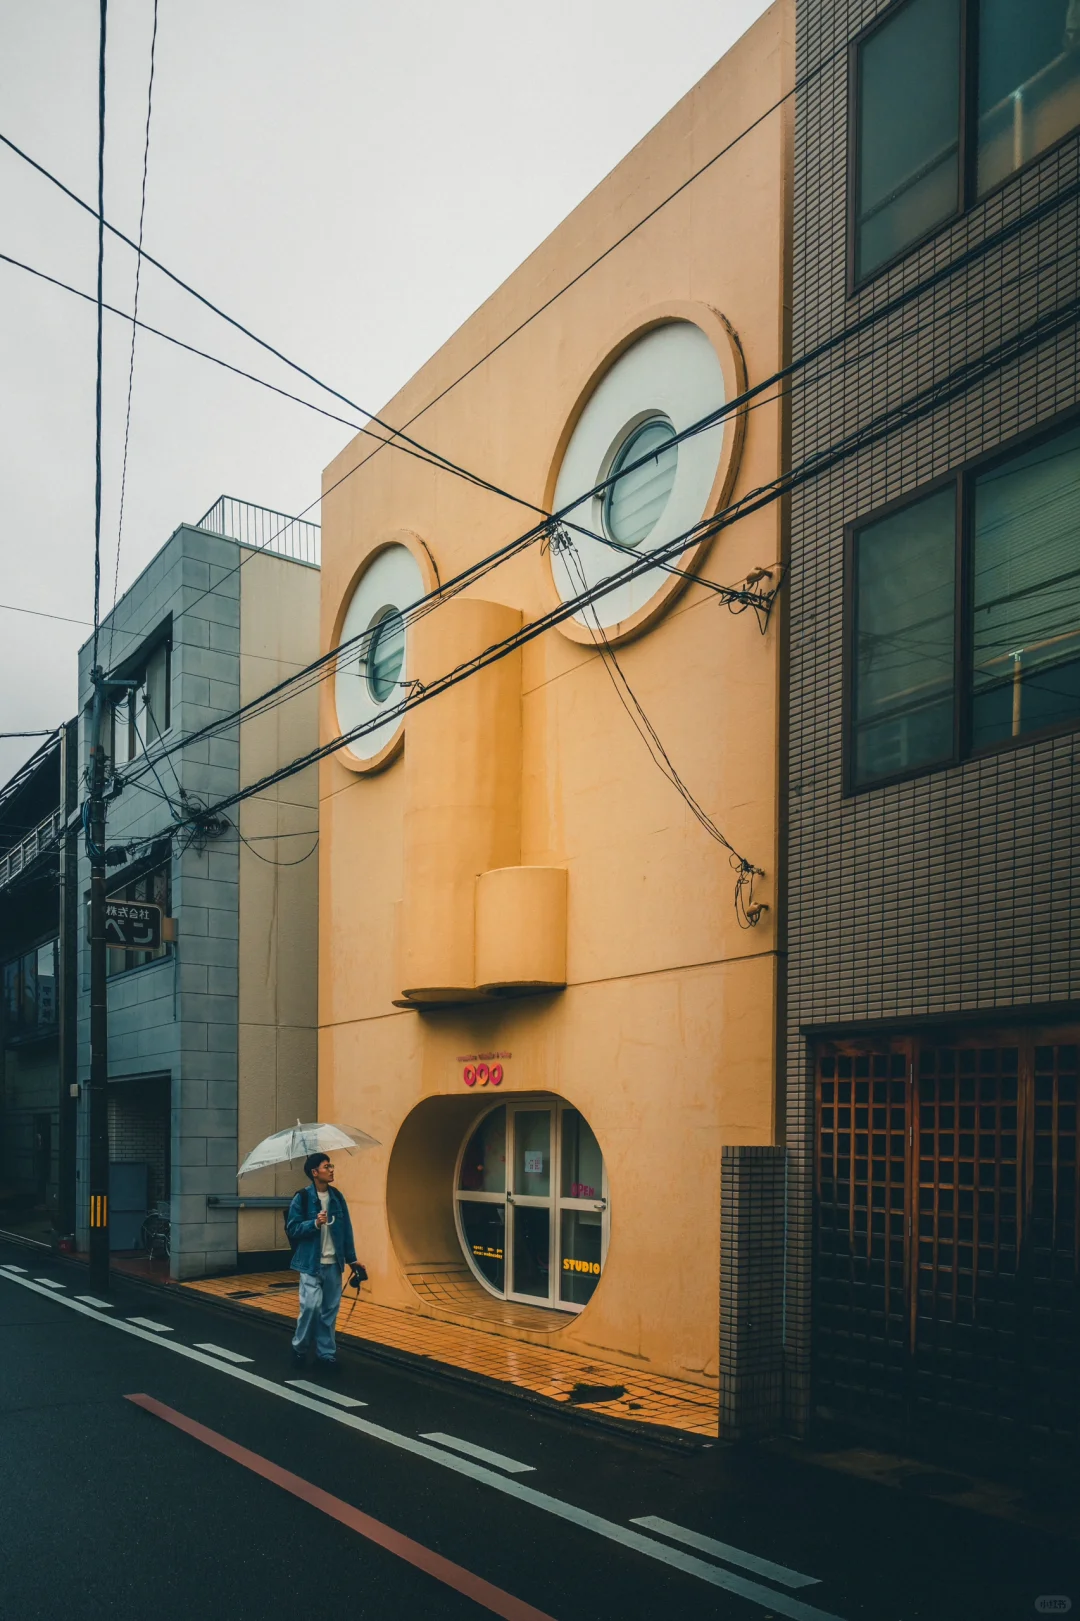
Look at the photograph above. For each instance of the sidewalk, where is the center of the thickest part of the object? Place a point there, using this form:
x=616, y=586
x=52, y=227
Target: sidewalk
x=581, y=1382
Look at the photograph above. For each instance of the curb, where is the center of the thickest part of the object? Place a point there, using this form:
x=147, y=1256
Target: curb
x=651, y=1435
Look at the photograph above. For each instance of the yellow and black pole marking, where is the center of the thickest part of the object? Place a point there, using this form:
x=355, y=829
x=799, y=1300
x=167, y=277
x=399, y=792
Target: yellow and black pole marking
x=99, y=1210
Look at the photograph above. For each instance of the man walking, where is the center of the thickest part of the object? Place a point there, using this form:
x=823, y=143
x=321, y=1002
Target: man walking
x=321, y=1235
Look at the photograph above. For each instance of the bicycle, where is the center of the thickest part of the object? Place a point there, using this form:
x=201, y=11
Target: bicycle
x=155, y=1235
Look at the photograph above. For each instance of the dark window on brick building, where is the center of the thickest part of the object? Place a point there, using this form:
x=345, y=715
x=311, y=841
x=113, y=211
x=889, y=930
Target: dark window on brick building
x=904, y=604
x=909, y=129
x=1026, y=593
x=953, y=96
x=1020, y=525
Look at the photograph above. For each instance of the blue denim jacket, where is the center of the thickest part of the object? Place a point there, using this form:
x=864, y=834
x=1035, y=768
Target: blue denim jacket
x=306, y=1238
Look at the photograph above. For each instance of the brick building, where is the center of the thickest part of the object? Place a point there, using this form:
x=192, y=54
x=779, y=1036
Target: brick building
x=933, y=988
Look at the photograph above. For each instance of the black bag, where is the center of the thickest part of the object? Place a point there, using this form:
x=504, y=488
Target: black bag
x=285, y=1222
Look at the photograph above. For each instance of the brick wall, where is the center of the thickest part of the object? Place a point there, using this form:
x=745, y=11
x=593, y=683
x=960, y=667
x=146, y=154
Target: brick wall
x=953, y=892
x=139, y=1130
x=752, y=1213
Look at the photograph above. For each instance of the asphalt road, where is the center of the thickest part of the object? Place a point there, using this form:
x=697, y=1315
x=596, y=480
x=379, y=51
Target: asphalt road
x=275, y=1502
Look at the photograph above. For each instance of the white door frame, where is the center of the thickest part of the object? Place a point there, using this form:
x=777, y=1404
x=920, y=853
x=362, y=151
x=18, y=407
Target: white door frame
x=553, y=1202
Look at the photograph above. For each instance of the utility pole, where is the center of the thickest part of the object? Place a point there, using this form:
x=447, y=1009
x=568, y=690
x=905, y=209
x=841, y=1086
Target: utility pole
x=99, y=1011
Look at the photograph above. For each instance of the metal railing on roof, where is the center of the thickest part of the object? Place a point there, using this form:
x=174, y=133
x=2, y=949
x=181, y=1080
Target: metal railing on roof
x=263, y=529
x=16, y=860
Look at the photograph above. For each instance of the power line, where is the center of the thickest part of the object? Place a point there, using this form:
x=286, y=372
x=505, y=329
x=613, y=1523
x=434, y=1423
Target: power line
x=204, y=354
x=753, y=395
x=251, y=377
x=908, y=412
x=39, y=613
x=250, y=842
x=103, y=12
x=800, y=84
x=444, y=462
x=398, y=435
x=134, y=318
x=775, y=380
x=745, y=912
x=929, y=399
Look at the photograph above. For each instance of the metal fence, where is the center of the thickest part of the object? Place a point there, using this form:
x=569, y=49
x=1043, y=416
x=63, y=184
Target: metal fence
x=263, y=529
x=16, y=860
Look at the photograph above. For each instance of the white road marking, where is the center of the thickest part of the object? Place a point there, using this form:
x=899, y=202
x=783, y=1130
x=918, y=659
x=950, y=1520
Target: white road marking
x=499, y=1459
x=7, y=1267
x=92, y=1300
x=326, y=1395
x=47, y=1283
x=724, y=1550
x=148, y=1322
x=767, y=1597
x=217, y=1350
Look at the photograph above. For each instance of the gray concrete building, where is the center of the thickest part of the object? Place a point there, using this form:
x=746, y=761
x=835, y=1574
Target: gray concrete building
x=36, y=1108
x=933, y=740
x=212, y=1035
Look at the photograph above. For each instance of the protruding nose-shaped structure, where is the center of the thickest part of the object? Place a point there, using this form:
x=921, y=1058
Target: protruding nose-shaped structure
x=472, y=919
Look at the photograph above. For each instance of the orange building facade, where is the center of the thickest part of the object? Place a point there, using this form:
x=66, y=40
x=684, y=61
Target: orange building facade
x=536, y=987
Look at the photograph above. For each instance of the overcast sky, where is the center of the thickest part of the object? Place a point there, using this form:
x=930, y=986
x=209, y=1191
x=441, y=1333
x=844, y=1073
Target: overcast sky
x=349, y=179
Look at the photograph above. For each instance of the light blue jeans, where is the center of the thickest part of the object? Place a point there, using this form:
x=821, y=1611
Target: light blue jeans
x=320, y=1298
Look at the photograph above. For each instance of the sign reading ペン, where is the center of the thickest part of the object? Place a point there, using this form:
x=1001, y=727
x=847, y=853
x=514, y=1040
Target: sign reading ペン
x=132, y=925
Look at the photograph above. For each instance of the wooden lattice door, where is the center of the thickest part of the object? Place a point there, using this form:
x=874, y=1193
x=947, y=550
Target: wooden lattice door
x=947, y=1233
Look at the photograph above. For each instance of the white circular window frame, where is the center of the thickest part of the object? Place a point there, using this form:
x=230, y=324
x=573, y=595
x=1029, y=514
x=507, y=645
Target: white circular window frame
x=397, y=571
x=556, y=1203
x=681, y=361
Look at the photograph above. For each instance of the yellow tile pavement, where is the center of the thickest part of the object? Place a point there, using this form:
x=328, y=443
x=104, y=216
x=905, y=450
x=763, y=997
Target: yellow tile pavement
x=563, y=1376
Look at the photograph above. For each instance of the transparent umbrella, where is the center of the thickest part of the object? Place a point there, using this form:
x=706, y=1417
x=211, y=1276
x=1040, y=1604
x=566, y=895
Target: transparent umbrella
x=297, y=1142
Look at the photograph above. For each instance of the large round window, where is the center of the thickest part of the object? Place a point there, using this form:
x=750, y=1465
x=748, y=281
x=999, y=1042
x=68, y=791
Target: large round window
x=634, y=501
x=665, y=382
x=372, y=667
x=532, y=1204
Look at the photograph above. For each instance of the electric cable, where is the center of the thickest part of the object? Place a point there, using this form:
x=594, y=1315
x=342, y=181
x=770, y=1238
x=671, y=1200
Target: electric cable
x=157, y=729
x=746, y=872
x=799, y=85
x=152, y=764
x=270, y=862
x=398, y=435
x=103, y=13
x=893, y=418
x=134, y=321
x=883, y=312
x=920, y=406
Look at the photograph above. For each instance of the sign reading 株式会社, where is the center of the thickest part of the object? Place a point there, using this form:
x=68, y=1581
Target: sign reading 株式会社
x=132, y=925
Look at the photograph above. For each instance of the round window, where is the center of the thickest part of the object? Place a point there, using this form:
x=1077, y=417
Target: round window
x=532, y=1204
x=386, y=654
x=666, y=381
x=634, y=503
x=372, y=665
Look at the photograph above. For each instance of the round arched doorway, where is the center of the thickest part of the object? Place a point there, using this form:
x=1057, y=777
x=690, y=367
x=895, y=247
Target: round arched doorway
x=530, y=1196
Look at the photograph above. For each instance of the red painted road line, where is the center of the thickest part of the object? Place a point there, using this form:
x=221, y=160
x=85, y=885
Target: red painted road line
x=444, y=1570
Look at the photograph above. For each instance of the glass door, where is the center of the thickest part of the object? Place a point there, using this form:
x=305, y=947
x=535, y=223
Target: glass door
x=530, y=1203
x=531, y=1195
x=583, y=1211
